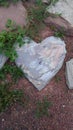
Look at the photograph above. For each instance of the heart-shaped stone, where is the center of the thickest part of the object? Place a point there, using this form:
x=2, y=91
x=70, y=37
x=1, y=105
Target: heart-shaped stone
x=40, y=62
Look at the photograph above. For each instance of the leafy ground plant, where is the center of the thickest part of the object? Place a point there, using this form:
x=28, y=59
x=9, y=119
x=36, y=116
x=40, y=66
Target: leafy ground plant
x=8, y=97
x=7, y=2
x=36, y=15
x=11, y=69
x=58, y=79
x=59, y=34
x=9, y=37
x=42, y=108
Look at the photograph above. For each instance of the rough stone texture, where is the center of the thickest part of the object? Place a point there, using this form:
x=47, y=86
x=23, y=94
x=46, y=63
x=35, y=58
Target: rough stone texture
x=3, y=59
x=64, y=7
x=59, y=23
x=69, y=74
x=40, y=62
x=46, y=1
x=15, y=12
x=47, y=32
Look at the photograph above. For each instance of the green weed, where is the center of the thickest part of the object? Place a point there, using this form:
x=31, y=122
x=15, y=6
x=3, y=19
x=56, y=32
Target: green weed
x=59, y=34
x=8, y=38
x=7, y=2
x=36, y=15
x=11, y=69
x=57, y=79
x=42, y=108
x=8, y=97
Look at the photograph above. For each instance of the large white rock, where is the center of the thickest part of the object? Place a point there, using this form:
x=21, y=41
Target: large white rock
x=40, y=62
x=65, y=8
x=69, y=74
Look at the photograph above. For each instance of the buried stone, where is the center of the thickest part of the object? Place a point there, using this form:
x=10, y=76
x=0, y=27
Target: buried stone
x=69, y=74
x=40, y=62
x=15, y=12
x=64, y=8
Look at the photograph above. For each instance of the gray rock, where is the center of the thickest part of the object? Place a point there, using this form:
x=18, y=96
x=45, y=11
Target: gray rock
x=57, y=23
x=16, y=13
x=40, y=62
x=69, y=74
x=3, y=59
x=65, y=8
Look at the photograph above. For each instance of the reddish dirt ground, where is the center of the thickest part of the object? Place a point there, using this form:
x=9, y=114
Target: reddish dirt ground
x=60, y=116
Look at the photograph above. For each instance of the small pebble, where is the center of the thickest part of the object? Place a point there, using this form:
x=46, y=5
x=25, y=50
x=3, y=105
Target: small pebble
x=3, y=120
x=63, y=106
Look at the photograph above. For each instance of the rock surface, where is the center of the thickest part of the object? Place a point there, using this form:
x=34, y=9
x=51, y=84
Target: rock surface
x=40, y=62
x=69, y=74
x=60, y=24
x=46, y=1
x=65, y=8
x=3, y=59
x=15, y=12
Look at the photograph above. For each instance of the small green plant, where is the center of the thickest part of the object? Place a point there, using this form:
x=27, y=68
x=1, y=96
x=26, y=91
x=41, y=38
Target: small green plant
x=42, y=108
x=59, y=34
x=57, y=79
x=11, y=69
x=36, y=15
x=11, y=24
x=8, y=97
x=7, y=2
x=9, y=37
